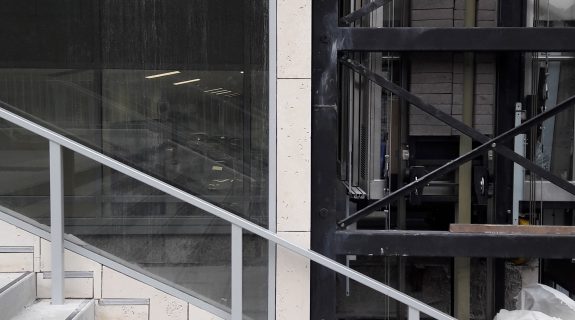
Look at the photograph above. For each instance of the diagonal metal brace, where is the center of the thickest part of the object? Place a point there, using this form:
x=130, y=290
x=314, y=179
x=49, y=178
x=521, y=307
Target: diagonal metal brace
x=458, y=125
x=372, y=6
x=487, y=143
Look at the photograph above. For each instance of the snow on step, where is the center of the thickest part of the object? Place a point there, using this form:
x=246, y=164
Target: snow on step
x=44, y=310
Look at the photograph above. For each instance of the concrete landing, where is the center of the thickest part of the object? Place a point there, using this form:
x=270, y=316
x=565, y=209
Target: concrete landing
x=44, y=310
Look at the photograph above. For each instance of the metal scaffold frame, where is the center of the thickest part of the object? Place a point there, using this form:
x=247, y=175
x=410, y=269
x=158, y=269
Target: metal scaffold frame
x=334, y=39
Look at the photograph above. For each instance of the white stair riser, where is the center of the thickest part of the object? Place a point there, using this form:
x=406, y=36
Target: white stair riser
x=17, y=296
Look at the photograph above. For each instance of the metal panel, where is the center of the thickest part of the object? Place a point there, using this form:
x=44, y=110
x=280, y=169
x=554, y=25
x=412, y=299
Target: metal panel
x=456, y=39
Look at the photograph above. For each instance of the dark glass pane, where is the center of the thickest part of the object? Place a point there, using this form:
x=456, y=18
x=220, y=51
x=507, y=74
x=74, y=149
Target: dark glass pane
x=177, y=89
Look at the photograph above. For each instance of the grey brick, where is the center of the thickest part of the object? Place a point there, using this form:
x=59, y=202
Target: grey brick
x=485, y=78
x=458, y=98
x=480, y=109
x=436, y=98
x=423, y=66
x=442, y=107
x=431, y=77
x=432, y=4
x=432, y=87
x=487, y=4
x=485, y=129
x=459, y=4
x=485, y=89
x=485, y=57
x=459, y=14
x=487, y=24
x=458, y=88
x=484, y=99
x=458, y=78
x=486, y=15
x=482, y=119
x=457, y=109
x=427, y=130
x=434, y=14
x=483, y=68
x=432, y=23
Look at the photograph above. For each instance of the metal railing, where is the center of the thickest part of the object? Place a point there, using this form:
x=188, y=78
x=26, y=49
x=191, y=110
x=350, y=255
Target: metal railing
x=57, y=141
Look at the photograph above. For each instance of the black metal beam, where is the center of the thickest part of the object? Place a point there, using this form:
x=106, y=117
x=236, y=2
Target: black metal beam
x=327, y=193
x=458, y=125
x=450, y=244
x=363, y=11
x=492, y=143
x=457, y=39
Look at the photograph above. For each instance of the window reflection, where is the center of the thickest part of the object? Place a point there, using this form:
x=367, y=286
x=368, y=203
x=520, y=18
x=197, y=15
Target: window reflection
x=177, y=89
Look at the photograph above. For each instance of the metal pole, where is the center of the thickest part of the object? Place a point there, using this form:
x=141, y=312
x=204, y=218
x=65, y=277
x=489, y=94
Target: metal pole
x=57, y=222
x=412, y=314
x=518, y=171
x=237, y=273
x=272, y=161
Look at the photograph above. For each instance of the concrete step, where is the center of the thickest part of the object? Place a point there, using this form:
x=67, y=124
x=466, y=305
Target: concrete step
x=17, y=290
x=73, y=309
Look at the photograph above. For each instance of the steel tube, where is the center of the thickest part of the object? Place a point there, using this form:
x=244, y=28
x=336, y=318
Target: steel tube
x=57, y=222
x=237, y=273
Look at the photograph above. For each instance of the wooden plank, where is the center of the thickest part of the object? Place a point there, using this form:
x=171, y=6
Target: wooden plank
x=512, y=229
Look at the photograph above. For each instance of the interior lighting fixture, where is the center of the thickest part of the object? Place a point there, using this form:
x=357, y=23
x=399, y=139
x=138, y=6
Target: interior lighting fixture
x=187, y=81
x=162, y=74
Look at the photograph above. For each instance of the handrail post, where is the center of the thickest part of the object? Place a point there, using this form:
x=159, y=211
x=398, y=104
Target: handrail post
x=412, y=314
x=57, y=222
x=237, y=273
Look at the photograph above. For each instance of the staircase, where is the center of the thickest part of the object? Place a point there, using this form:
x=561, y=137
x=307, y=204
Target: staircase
x=18, y=301
x=22, y=298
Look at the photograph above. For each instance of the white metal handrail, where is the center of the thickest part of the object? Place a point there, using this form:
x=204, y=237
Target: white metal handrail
x=57, y=141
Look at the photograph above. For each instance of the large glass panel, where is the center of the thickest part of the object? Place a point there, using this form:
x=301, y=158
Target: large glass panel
x=24, y=173
x=177, y=89
x=142, y=226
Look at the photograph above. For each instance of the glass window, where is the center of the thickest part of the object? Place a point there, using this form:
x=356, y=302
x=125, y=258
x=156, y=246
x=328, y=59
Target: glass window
x=177, y=89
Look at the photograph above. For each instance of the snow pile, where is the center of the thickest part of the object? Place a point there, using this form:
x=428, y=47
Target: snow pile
x=545, y=299
x=523, y=315
x=540, y=302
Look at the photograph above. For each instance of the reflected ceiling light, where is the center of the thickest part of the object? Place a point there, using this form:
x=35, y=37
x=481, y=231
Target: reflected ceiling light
x=222, y=92
x=187, y=81
x=218, y=91
x=213, y=90
x=241, y=72
x=162, y=74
